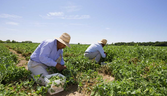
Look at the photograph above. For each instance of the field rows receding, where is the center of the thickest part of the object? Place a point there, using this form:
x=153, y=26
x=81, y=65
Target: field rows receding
x=137, y=70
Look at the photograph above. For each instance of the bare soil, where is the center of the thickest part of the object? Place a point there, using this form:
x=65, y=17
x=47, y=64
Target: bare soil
x=107, y=78
x=22, y=60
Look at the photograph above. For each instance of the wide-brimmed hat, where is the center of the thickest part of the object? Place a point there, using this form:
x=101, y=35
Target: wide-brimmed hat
x=65, y=39
x=103, y=41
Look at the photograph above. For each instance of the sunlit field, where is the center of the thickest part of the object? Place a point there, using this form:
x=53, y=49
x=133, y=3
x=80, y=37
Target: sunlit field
x=138, y=70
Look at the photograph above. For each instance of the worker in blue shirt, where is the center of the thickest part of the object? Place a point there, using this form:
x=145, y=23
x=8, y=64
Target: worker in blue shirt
x=95, y=51
x=48, y=53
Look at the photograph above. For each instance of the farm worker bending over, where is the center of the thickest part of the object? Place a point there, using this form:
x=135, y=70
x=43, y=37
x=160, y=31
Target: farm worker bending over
x=48, y=53
x=96, y=51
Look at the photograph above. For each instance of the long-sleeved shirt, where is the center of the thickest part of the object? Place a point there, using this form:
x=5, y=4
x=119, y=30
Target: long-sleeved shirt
x=96, y=47
x=46, y=53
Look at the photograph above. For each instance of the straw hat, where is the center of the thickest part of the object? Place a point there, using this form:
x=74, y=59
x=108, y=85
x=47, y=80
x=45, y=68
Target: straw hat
x=65, y=39
x=103, y=41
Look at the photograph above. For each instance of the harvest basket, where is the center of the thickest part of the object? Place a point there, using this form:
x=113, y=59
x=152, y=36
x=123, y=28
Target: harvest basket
x=56, y=85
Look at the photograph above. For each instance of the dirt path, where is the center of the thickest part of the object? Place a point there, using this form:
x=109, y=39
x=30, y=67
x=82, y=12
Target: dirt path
x=107, y=78
x=22, y=60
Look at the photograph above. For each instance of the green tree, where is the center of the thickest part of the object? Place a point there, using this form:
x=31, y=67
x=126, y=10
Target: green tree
x=13, y=41
x=1, y=41
x=8, y=41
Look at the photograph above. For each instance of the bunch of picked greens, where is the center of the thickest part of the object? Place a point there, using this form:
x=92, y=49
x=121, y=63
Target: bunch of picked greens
x=56, y=78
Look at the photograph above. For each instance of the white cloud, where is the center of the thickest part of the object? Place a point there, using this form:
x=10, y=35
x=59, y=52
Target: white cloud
x=61, y=15
x=76, y=17
x=55, y=14
x=46, y=17
x=9, y=16
x=12, y=23
x=78, y=24
x=71, y=8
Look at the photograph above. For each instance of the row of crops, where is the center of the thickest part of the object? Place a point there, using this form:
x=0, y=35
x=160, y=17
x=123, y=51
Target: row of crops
x=13, y=80
x=138, y=70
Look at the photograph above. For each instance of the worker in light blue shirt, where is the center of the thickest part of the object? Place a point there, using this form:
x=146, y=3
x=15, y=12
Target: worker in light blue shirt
x=96, y=51
x=48, y=53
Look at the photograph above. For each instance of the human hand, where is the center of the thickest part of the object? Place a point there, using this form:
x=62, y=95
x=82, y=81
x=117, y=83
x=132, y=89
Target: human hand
x=64, y=67
x=60, y=67
x=105, y=53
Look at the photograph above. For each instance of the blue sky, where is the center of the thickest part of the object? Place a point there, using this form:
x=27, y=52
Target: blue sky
x=87, y=21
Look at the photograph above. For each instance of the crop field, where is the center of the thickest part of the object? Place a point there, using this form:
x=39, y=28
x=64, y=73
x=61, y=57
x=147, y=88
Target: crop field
x=137, y=71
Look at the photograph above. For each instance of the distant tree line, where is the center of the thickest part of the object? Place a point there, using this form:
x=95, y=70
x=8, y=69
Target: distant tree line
x=157, y=43
x=13, y=41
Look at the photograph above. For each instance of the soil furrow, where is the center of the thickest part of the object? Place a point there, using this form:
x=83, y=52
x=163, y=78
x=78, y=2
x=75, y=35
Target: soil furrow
x=22, y=60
